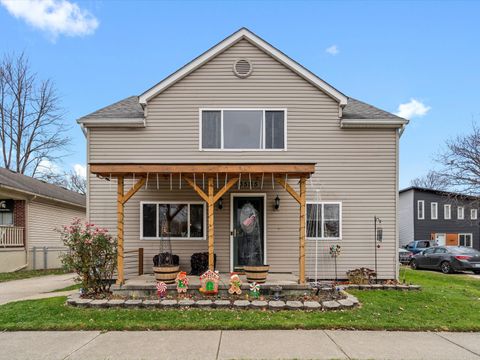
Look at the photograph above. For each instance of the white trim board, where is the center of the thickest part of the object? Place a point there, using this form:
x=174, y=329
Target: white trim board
x=246, y=34
x=264, y=195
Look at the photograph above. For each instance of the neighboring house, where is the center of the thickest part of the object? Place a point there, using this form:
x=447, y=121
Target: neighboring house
x=244, y=123
x=30, y=212
x=448, y=218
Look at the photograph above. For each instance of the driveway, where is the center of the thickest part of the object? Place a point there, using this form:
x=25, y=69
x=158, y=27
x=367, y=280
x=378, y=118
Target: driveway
x=268, y=344
x=33, y=288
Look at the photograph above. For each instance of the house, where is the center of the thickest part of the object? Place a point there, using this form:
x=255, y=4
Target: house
x=30, y=212
x=244, y=124
x=447, y=217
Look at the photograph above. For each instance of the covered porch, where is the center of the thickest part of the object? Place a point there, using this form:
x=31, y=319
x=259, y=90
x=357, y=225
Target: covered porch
x=210, y=182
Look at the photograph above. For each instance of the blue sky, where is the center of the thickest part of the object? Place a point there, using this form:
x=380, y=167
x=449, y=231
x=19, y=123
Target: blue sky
x=384, y=53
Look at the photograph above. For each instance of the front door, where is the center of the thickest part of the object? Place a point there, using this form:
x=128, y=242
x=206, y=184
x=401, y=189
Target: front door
x=247, y=231
x=440, y=239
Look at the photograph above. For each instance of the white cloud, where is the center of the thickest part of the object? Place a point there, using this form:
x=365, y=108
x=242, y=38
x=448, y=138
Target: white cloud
x=411, y=109
x=46, y=167
x=332, y=50
x=80, y=170
x=56, y=17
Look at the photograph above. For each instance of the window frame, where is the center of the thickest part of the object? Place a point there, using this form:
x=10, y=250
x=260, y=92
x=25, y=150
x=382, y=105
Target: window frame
x=473, y=211
x=222, y=147
x=436, y=210
x=418, y=209
x=340, y=218
x=458, y=212
x=445, y=206
x=174, y=238
x=465, y=235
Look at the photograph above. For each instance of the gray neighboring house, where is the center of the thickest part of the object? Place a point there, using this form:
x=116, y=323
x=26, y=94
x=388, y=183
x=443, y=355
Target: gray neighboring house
x=449, y=218
x=245, y=124
x=30, y=212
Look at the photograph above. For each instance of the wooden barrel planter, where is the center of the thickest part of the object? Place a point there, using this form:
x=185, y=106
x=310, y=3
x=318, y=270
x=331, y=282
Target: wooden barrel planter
x=167, y=274
x=257, y=273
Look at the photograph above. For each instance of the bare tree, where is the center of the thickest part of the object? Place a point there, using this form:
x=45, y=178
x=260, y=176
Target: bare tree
x=432, y=180
x=461, y=163
x=71, y=180
x=32, y=129
x=77, y=182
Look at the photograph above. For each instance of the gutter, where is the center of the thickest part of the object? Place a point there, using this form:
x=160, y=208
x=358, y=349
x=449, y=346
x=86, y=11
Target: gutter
x=2, y=186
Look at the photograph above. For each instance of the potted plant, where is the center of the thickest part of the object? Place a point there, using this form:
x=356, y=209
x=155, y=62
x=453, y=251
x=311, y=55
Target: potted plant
x=165, y=264
x=255, y=269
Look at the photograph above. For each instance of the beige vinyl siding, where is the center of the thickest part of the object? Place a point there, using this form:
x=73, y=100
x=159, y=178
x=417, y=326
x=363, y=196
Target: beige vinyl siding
x=355, y=166
x=43, y=220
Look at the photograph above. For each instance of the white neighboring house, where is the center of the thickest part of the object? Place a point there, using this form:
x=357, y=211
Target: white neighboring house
x=30, y=212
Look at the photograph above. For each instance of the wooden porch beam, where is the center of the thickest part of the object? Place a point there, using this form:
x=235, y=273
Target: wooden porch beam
x=223, y=190
x=211, y=207
x=303, y=200
x=120, y=220
x=197, y=189
x=289, y=189
x=138, y=185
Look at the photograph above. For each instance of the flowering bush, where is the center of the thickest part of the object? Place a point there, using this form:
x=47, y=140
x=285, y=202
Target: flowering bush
x=92, y=255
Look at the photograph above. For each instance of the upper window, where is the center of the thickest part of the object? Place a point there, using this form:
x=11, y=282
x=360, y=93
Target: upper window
x=420, y=209
x=447, y=211
x=460, y=213
x=234, y=129
x=324, y=220
x=434, y=211
x=174, y=220
x=473, y=214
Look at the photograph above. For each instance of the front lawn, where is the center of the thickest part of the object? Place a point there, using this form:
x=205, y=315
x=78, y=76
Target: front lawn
x=447, y=302
x=26, y=274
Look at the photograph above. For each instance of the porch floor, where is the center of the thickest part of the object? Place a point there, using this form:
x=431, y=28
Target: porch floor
x=148, y=282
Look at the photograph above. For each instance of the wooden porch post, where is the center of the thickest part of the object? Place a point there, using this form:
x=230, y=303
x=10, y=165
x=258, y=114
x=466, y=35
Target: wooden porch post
x=120, y=220
x=302, y=230
x=211, y=207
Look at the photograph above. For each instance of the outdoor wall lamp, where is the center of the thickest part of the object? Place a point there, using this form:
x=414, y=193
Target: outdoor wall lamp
x=220, y=204
x=276, y=203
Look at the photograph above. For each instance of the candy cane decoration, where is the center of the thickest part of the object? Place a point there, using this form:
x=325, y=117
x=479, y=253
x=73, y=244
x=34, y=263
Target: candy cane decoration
x=161, y=289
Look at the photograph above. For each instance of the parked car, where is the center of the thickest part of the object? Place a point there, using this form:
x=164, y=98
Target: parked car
x=404, y=256
x=447, y=259
x=417, y=246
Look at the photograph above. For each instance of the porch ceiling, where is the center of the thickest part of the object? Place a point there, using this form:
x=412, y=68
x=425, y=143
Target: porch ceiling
x=292, y=169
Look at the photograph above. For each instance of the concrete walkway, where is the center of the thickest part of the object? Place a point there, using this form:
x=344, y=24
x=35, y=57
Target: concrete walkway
x=271, y=344
x=33, y=288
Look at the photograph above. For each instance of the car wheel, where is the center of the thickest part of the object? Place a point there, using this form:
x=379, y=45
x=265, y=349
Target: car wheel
x=446, y=267
x=414, y=264
x=476, y=272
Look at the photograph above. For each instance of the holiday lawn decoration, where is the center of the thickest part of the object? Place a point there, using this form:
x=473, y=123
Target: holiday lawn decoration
x=182, y=282
x=335, y=251
x=254, y=290
x=209, y=282
x=161, y=289
x=235, y=284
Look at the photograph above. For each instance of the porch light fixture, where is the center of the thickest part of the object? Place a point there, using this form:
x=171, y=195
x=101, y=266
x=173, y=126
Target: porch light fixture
x=220, y=204
x=276, y=204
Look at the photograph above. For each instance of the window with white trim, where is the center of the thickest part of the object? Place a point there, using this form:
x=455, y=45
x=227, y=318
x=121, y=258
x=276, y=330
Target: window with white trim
x=460, y=213
x=473, y=214
x=465, y=240
x=243, y=129
x=434, y=211
x=420, y=209
x=447, y=211
x=324, y=220
x=177, y=220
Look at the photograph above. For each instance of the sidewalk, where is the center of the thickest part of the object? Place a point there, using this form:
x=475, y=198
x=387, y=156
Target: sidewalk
x=274, y=344
x=33, y=288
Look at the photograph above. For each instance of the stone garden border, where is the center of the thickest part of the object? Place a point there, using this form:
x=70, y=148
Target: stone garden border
x=342, y=304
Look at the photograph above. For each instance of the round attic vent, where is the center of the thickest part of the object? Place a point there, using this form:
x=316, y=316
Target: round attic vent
x=242, y=68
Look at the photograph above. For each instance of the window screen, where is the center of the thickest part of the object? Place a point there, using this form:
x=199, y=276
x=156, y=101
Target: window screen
x=274, y=130
x=211, y=129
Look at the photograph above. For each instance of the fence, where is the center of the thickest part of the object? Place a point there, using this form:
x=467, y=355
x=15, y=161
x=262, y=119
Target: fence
x=11, y=236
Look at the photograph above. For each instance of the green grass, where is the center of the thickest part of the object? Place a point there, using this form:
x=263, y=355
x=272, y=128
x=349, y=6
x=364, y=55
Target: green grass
x=445, y=303
x=68, y=288
x=26, y=274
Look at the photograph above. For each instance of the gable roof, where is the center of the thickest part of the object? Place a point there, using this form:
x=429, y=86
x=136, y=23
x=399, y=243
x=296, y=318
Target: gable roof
x=246, y=34
x=26, y=184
